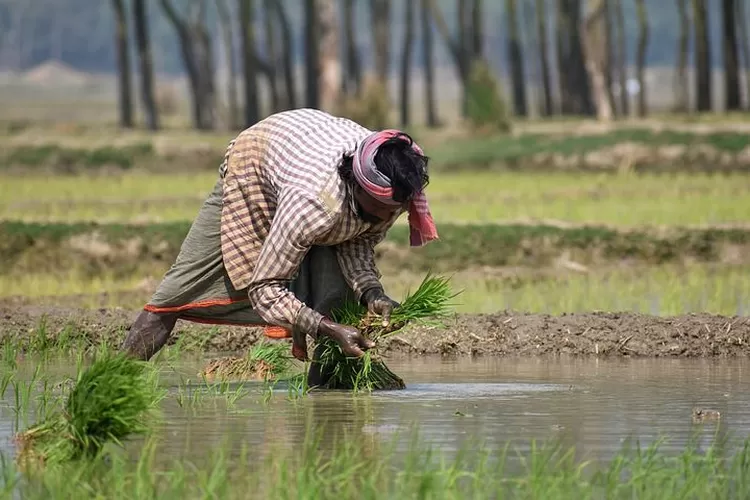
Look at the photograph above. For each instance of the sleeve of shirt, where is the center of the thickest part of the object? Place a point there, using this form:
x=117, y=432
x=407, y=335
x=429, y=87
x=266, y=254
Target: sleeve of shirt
x=298, y=220
x=357, y=261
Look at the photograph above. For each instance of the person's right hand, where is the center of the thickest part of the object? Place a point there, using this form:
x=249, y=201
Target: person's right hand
x=351, y=341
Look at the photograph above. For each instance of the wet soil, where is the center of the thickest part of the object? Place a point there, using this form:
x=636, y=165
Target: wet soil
x=505, y=333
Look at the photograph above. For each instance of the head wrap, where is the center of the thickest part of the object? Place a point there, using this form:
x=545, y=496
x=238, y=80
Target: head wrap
x=379, y=187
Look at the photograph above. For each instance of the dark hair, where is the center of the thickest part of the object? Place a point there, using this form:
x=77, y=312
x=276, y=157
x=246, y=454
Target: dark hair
x=397, y=160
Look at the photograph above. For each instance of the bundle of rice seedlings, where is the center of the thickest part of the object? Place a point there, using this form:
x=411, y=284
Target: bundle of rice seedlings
x=114, y=398
x=368, y=373
x=265, y=361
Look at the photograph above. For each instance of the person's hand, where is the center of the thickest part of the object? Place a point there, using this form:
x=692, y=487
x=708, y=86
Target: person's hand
x=379, y=303
x=351, y=341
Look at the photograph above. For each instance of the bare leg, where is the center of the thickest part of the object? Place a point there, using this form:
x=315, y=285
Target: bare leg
x=148, y=334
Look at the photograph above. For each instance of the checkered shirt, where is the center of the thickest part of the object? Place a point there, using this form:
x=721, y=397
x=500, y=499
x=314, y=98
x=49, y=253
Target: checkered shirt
x=282, y=195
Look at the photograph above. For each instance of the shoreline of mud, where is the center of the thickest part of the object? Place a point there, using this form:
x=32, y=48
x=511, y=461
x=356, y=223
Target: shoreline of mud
x=505, y=333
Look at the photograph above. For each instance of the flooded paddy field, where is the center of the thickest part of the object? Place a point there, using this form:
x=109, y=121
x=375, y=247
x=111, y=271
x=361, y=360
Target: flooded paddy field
x=594, y=408
x=600, y=312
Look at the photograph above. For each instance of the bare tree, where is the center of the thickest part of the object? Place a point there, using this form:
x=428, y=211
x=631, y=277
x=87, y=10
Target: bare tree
x=330, y=63
x=541, y=20
x=140, y=19
x=225, y=23
x=380, y=14
x=428, y=63
x=622, y=58
x=515, y=56
x=731, y=56
x=458, y=47
x=595, y=51
x=197, y=57
x=351, y=80
x=312, y=55
x=477, y=29
x=406, y=61
x=702, y=56
x=269, y=23
x=745, y=46
x=609, y=70
x=286, y=54
x=640, y=57
x=574, y=85
x=681, y=73
x=123, y=64
x=252, y=64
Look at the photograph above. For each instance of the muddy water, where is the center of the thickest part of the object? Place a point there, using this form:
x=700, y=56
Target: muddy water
x=593, y=404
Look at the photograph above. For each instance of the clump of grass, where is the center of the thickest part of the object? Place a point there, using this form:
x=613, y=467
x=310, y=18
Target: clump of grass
x=265, y=361
x=111, y=400
x=368, y=373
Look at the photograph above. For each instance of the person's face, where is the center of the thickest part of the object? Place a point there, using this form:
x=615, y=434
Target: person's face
x=372, y=210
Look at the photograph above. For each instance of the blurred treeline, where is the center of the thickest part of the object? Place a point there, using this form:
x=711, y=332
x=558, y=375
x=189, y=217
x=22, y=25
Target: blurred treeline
x=343, y=55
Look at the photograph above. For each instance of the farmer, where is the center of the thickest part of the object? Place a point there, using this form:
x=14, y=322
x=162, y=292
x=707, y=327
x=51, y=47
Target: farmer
x=288, y=233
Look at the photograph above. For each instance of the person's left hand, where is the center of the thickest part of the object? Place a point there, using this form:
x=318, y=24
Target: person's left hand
x=379, y=303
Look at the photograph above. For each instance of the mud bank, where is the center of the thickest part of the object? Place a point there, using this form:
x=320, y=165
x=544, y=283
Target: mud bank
x=507, y=333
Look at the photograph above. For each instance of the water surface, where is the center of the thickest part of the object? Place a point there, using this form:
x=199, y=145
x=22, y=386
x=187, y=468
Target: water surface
x=592, y=404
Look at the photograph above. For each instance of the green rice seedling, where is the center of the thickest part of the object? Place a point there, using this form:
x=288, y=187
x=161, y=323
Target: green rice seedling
x=111, y=399
x=265, y=361
x=430, y=300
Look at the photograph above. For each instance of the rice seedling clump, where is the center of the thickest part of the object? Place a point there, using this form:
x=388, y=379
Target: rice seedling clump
x=368, y=373
x=114, y=398
x=265, y=361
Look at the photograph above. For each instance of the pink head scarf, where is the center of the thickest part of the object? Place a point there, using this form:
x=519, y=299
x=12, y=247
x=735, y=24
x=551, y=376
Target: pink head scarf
x=379, y=187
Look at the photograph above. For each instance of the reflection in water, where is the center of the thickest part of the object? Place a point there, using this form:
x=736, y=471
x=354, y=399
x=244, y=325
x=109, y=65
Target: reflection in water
x=592, y=404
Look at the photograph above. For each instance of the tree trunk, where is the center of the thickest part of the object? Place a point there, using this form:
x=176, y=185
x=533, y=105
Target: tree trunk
x=731, y=56
x=123, y=64
x=458, y=48
x=561, y=22
x=622, y=59
x=287, y=56
x=140, y=19
x=406, y=61
x=541, y=20
x=330, y=63
x=246, y=10
x=640, y=64
x=312, y=56
x=352, y=77
x=515, y=57
x=609, y=70
x=269, y=17
x=572, y=66
x=381, y=38
x=225, y=21
x=682, y=97
x=477, y=30
x=702, y=56
x=206, y=69
x=745, y=46
x=196, y=52
x=428, y=63
x=595, y=52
